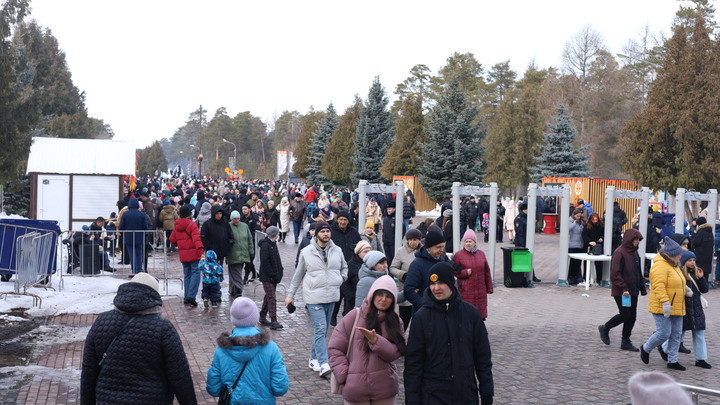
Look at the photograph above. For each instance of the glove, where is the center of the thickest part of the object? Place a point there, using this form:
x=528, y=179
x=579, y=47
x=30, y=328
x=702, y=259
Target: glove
x=688, y=291
x=666, y=309
x=486, y=399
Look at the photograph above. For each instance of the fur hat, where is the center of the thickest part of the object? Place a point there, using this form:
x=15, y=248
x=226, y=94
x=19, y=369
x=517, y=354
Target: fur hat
x=362, y=245
x=671, y=248
x=654, y=387
x=470, y=234
x=272, y=231
x=373, y=257
x=433, y=238
x=148, y=280
x=413, y=234
x=443, y=272
x=244, y=312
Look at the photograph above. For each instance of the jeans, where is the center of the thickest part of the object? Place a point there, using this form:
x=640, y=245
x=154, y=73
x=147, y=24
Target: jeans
x=192, y=278
x=136, y=257
x=626, y=316
x=699, y=346
x=406, y=222
x=320, y=316
x=297, y=226
x=669, y=329
x=211, y=292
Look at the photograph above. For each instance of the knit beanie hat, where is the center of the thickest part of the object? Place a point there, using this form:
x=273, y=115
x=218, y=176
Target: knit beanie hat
x=320, y=226
x=470, y=234
x=671, y=248
x=373, y=257
x=361, y=246
x=185, y=212
x=413, y=234
x=272, y=231
x=234, y=214
x=654, y=387
x=442, y=272
x=523, y=206
x=148, y=280
x=344, y=214
x=433, y=238
x=447, y=213
x=370, y=224
x=687, y=255
x=167, y=202
x=701, y=221
x=244, y=312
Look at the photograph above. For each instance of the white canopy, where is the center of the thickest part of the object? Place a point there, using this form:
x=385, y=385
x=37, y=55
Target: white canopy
x=81, y=156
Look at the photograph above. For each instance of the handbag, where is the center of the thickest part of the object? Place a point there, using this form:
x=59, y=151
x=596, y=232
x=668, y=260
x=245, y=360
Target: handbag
x=597, y=250
x=703, y=300
x=225, y=393
x=335, y=386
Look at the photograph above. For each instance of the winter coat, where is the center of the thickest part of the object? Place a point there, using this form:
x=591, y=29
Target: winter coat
x=418, y=274
x=368, y=375
x=354, y=265
x=146, y=364
x=695, y=314
x=216, y=234
x=345, y=240
x=702, y=245
x=186, y=236
x=134, y=220
x=626, y=268
x=271, y=268
x=667, y=284
x=272, y=217
x=475, y=287
x=168, y=216
x=284, y=217
x=400, y=266
x=204, y=214
x=520, y=224
x=321, y=279
x=243, y=247
x=265, y=376
x=211, y=271
x=509, y=217
x=448, y=354
x=374, y=241
x=593, y=233
x=297, y=210
x=388, y=229
x=372, y=211
x=367, y=278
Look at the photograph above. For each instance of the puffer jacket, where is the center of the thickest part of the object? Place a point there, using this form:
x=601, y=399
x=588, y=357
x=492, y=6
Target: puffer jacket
x=667, y=284
x=186, y=236
x=265, y=376
x=695, y=314
x=271, y=268
x=243, y=249
x=474, y=287
x=168, y=216
x=216, y=234
x=321, y=279
x=368, y=375
x=401, y=264
x=146, y=364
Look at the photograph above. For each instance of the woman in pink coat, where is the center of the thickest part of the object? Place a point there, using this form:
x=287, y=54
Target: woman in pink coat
x=474, y=280
x=368, y=371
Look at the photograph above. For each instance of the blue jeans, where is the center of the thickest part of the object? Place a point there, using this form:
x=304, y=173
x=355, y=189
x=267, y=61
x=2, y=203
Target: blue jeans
x=699, y=345
x=320, y=316
x=669, y=329
x=406, y=221
x=297, y=226
x=192, y=278
x=137, y=258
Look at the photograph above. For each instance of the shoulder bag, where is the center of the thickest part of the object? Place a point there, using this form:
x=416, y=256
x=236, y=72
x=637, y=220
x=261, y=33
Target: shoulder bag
x=703, y=300
x=226, y=393
x=104, y=356
x=335, y=386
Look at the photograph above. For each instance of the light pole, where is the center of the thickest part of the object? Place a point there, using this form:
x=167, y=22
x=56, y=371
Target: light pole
x=234, y=153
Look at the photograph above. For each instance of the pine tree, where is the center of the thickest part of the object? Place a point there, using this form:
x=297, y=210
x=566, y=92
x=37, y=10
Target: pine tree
x=454, y=151
x=320, y=140
x=375, y=132
x=336, y=166
x=558, y=155
x=405, y=154
x=308, y=125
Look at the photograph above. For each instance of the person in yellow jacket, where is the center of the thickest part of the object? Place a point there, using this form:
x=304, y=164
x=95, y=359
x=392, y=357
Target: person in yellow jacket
x=668, y=289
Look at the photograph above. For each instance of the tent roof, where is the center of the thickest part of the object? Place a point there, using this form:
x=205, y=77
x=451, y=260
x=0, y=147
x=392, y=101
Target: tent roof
x=81, y=156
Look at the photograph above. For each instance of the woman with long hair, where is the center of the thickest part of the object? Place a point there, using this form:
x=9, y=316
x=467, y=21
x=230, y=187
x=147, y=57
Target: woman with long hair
x=363, y=361
x=593, y=235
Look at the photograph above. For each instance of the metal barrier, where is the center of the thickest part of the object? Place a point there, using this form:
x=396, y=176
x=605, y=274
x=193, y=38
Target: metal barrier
x=99, y=252
x=696, y=391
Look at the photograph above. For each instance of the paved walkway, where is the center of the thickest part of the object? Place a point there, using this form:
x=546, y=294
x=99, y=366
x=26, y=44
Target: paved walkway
x=545, y=344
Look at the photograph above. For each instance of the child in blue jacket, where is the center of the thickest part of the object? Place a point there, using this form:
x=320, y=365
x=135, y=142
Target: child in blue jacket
x=264, y=376
x=212, y=276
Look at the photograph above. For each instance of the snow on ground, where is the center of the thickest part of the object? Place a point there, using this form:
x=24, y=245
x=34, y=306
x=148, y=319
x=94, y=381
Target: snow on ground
x=79, y=295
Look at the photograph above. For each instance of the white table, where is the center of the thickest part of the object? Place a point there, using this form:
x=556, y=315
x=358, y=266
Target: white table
x=650, y=256
x=589, y=269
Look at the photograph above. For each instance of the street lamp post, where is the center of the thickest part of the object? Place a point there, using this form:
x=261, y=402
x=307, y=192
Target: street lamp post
x=234, y=153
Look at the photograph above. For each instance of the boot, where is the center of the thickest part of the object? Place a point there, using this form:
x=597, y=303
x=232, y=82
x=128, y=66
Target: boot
x=644, y=356
x=662, y=353
x=682, y=349
x=627, y=345
x=605, y=335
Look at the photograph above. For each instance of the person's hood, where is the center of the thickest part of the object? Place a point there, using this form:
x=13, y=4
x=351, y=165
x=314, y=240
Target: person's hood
x=211, y=256
x=169, y=208
x=627, y=240
x=215, y=209
x=384, y=282
x=330, y=244
x=244, y=343
x=704, y=227
x=134, y=297
x=365, y=271
x=182, y=224
x=133, y=203
x=205, y=209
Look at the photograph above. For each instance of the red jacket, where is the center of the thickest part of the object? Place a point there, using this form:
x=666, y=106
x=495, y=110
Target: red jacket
x=475, y=287
x=186, y=236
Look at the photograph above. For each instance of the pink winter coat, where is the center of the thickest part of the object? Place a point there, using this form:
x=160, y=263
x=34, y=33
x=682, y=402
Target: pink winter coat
x=475, y=287
x=371, y=375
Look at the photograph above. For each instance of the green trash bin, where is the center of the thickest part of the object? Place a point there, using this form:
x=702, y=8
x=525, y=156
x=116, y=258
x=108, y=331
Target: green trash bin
x=517, y=262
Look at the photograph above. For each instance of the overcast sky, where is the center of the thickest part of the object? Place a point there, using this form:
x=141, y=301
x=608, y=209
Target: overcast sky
x=145, y=65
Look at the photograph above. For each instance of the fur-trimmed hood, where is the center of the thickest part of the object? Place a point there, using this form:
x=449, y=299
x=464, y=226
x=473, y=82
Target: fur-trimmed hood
x=243, y=344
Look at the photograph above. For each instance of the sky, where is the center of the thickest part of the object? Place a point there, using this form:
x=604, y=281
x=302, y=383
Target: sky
x=145, y=65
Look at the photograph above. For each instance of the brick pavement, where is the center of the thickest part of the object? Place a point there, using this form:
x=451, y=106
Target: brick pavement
x=544, y=340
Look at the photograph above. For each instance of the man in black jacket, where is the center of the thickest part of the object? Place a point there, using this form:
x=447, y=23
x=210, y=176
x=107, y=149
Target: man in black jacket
x=454, y=365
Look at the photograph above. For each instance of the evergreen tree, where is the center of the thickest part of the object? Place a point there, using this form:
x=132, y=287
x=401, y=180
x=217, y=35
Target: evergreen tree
x=151, y=159
x=336, y=166
x=308, y=125
x=375, y=132
x=454, y=151
x=320, y=140
x=558, y=155
x=405, y=154
x=417, y=85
